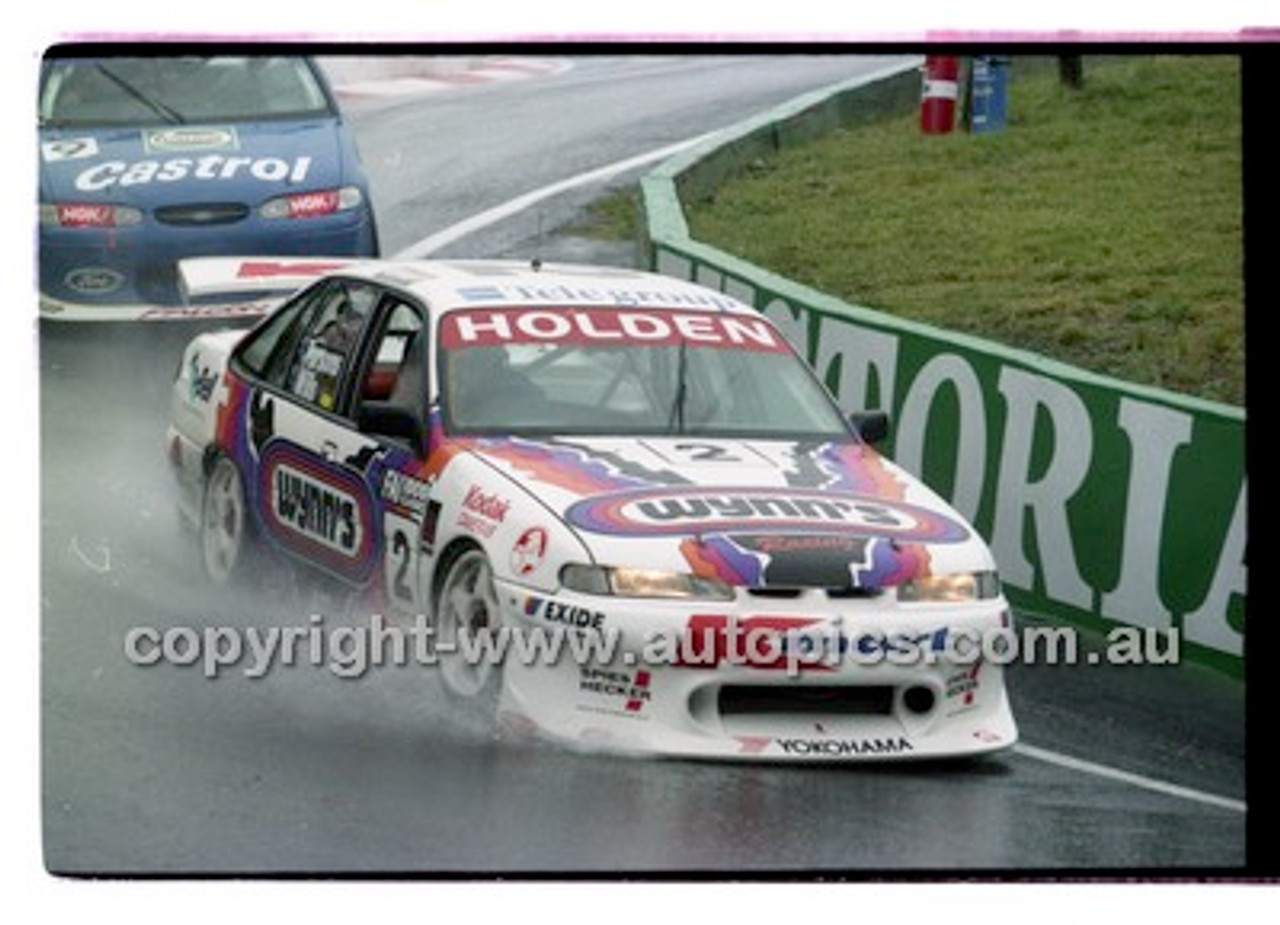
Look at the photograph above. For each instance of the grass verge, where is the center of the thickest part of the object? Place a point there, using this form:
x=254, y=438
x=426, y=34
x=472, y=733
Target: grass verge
x=1104, y=227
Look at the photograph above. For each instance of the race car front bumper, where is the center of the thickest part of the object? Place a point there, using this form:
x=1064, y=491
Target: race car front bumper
x=799, y=679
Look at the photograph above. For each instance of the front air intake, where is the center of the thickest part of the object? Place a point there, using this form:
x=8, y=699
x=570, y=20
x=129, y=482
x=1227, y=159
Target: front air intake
x=202, y=214
x=808, y=700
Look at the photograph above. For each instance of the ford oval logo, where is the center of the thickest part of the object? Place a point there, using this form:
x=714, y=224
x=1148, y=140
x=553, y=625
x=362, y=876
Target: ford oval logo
x=94, y=280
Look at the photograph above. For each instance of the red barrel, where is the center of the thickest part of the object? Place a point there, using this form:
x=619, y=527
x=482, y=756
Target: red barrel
x=941, y=90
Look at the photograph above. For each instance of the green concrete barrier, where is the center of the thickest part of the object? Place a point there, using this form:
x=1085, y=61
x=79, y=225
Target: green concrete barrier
x=1106, y=503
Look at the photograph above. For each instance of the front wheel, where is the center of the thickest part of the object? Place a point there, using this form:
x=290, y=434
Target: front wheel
x=224, y=523
x=467, y=618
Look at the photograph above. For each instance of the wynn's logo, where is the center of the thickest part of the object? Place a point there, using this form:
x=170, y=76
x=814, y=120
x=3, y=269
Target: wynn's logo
x=318, y=510
x=682, y=511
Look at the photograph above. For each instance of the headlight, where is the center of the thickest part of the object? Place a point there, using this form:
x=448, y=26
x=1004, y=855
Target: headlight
x=313, y=204
x=88, y=215
x=963, y=586
x=637, y=582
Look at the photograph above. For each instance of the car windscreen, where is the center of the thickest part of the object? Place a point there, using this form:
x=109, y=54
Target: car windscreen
x=178, y=90
x=627, y=372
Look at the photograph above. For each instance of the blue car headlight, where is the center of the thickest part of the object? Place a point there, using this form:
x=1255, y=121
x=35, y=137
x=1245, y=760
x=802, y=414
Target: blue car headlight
x=313, y=204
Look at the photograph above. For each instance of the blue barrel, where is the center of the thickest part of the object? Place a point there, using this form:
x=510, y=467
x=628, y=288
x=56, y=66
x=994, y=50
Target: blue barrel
x=989, y=94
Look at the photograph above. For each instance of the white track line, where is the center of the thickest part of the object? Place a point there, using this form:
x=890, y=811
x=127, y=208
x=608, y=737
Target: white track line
x=490, y=216
x=1137, y=780
x=492, y=71
x=498, y=213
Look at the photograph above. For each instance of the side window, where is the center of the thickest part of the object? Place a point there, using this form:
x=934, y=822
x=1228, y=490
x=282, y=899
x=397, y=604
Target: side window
x=318, y=362
x=268, y=348
x=396, y=369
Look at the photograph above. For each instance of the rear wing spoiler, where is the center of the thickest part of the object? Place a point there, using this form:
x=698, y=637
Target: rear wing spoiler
x=239, y=276
x=230, y=288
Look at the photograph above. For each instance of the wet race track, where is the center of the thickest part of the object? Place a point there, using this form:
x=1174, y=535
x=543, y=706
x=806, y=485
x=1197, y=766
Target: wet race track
x=161, y=769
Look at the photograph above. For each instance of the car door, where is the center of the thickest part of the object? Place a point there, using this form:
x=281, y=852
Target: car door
x=309, y=466
x=392, y=392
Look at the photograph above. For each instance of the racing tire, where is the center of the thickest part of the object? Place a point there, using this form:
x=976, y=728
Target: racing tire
x=468, y=601
x=225, y=528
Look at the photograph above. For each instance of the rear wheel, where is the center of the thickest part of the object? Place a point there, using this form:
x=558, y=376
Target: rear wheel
x=224, y=522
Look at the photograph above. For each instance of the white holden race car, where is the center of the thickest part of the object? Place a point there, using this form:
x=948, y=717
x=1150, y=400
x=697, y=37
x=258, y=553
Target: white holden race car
x=628, y=511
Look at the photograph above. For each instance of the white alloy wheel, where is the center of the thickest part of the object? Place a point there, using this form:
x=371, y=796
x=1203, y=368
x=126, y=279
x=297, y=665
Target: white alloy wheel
x=223, y=521
x=468, y=604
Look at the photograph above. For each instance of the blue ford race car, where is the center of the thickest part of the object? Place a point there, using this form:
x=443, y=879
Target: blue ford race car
x=146, y=160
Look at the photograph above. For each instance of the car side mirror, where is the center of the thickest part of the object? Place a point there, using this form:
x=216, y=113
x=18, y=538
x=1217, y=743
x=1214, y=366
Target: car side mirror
x=387, y=420
x=871, y=426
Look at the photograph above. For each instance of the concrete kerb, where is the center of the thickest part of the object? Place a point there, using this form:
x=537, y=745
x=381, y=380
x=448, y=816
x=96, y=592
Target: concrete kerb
x=1212, y=433
x=344, y=69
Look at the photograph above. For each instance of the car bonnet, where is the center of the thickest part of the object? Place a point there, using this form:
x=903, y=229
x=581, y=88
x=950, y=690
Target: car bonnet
x=750, y=512
x=149, y=166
